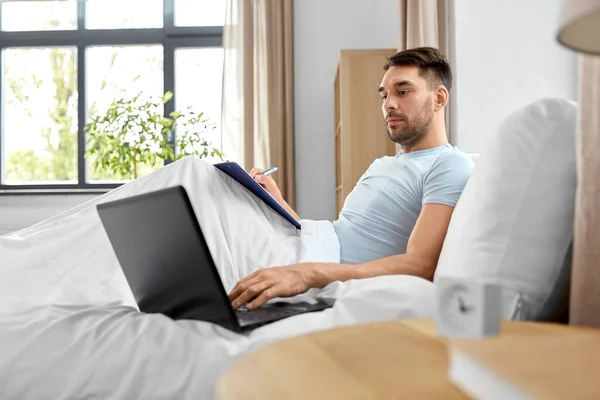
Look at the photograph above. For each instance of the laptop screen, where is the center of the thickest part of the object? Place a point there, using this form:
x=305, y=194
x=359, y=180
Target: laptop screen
x=165, y=258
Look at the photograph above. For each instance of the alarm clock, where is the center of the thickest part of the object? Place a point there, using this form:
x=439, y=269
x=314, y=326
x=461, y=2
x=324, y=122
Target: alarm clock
x=467, y=307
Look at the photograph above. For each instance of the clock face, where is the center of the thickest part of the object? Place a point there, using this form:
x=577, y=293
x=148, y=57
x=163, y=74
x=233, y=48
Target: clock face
x=457, y=309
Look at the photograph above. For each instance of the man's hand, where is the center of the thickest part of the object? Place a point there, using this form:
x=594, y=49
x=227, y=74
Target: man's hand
x=268, y=283
x=270, y=186
x=267, y=182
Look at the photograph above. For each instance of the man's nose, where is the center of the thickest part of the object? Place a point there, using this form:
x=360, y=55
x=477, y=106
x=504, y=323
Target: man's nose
x=389, y=104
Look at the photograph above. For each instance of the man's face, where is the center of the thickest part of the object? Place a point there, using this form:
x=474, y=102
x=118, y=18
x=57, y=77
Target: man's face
x=407, y=105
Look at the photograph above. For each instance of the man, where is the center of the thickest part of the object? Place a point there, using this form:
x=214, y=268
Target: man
x=396, y=218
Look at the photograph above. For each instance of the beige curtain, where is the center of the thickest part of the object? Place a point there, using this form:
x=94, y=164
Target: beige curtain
x=258, y=120
x=585, y=281
x=431, y=23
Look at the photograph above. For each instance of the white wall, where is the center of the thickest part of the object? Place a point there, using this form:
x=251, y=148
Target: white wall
x=321, y=29
x=507, y=56
x=20, y=211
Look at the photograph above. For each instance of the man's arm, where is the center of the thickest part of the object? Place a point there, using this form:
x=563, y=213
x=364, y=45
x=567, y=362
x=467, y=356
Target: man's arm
x=422, y=253
x=421, y=257
x=287, y=207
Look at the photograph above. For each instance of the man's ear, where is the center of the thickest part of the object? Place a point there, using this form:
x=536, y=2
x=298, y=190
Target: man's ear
x=441, y=97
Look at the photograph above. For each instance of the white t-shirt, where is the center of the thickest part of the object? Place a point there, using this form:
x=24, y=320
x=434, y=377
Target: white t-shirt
x=380, y=213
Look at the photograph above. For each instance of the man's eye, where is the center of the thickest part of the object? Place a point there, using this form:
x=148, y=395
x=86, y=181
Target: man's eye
x=402, y=92
x=383, y=97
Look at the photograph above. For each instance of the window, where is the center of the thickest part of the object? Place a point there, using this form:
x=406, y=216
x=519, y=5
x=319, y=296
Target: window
x=63, y=61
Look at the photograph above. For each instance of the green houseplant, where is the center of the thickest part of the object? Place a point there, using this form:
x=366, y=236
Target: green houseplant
x=132, y=136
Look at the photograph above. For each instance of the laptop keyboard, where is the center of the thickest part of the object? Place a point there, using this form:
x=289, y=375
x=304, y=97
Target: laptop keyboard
x=278, y=310
x=264, y=314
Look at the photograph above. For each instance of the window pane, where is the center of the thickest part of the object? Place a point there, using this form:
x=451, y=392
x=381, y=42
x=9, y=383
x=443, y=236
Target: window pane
x=200, y=12
x=42, y=15
x=198, y=80
x=40, y=115
x=119, y=14
x=115, y=73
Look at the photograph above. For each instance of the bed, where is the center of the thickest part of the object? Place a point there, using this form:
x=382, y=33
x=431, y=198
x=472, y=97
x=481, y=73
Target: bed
x=70, y=328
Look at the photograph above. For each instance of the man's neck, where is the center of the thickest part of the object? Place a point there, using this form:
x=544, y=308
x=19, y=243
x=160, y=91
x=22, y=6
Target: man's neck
x=434, y=138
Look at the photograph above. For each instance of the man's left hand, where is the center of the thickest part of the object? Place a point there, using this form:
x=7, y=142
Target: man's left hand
x=265, y=284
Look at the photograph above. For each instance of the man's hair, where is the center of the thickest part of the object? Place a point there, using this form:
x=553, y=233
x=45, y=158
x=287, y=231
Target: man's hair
x=432, y=64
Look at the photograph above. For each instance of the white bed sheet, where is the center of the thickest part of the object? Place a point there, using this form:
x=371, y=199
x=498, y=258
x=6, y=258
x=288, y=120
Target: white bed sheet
x=69, y=327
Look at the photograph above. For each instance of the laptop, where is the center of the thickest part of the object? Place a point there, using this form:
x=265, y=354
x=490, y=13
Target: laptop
x=164, y=256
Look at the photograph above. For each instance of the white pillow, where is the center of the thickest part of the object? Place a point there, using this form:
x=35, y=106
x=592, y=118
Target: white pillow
x=513, y=222
x=474, y=156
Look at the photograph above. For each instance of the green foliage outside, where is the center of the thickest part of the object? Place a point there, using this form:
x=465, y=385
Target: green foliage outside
x=125, y=142
x=132, y=136
x=58, y=161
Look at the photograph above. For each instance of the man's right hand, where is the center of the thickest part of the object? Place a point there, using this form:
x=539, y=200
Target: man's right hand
x=270, y=186
x=266, y=182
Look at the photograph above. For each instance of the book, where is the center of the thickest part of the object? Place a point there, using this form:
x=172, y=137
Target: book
x=235, y=171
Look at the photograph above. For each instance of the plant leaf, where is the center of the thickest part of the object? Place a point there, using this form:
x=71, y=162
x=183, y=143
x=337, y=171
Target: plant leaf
x=166, y=97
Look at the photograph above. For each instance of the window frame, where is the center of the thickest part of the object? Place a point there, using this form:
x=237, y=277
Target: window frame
x=171, y=37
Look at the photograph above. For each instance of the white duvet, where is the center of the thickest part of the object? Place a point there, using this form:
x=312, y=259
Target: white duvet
x=70, y=329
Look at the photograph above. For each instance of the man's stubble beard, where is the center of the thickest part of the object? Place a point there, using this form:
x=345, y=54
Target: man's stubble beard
x=414, y=131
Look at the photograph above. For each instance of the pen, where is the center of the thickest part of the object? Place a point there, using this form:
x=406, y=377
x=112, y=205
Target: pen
x=269, y=171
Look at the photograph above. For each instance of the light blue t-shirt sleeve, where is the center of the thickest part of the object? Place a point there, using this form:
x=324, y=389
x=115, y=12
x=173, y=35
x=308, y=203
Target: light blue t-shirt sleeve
x=445, y=181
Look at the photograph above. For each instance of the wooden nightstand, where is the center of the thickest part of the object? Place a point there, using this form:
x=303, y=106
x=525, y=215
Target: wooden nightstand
x=389, y=360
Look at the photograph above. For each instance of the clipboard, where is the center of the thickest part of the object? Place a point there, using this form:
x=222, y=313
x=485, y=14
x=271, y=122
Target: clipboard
x=235, y=171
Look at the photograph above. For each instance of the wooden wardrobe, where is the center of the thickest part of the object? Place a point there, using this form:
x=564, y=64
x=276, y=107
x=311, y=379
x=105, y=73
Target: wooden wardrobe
x=360, y=133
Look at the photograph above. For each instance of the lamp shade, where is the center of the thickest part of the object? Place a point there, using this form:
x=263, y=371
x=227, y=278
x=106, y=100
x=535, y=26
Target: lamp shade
x=580, y=25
